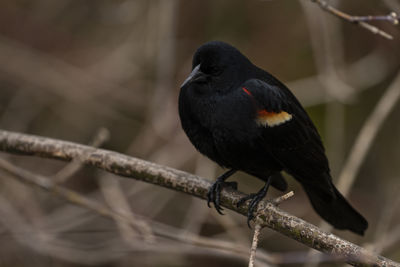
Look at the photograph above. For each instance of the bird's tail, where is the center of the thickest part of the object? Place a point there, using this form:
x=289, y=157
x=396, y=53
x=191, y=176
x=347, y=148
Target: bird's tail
x=335, y=209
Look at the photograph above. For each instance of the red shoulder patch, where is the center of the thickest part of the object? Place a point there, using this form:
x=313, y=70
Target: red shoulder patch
x=269, y=119
x=246, y=91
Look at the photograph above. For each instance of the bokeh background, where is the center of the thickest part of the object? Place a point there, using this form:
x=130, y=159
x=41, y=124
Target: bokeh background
x=84, y=70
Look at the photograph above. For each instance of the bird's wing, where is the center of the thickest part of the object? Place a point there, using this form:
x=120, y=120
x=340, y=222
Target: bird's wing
x=287, y=131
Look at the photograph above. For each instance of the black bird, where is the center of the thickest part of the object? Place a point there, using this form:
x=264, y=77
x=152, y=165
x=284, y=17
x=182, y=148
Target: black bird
x=245, y=119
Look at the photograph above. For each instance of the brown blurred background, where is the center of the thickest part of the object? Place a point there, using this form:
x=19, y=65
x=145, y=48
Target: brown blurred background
x=70, y=68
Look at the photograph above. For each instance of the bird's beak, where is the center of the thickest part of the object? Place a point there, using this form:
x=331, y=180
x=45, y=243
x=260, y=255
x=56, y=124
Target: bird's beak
x=195, y=75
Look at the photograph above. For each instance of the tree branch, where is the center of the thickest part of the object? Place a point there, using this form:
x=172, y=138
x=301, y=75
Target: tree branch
x=253, y=250
x=269, y=215
x=361, y=20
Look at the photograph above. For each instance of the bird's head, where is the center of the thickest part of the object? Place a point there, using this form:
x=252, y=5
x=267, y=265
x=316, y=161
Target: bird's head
x=217, y=66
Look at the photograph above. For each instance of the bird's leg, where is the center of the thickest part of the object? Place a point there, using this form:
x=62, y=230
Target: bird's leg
x=214, y=193
x=255, y=199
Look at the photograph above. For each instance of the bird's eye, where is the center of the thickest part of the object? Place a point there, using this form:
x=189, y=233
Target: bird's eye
x=211, y=70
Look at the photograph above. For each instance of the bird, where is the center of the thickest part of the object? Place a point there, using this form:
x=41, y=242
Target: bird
x=244, y=119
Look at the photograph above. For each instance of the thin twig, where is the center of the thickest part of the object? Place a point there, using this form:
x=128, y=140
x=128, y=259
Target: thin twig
x=254, y=244
x=277, y=201
x=269, y=215
x=361, y=20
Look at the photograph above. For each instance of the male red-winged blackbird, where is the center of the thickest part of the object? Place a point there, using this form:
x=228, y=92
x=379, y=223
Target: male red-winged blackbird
x=243, y=118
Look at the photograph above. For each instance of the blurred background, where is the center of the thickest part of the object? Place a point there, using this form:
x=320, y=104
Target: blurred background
x=107, y=73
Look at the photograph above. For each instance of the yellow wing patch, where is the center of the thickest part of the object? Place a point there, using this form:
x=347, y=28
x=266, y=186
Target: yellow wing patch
x=271, y=119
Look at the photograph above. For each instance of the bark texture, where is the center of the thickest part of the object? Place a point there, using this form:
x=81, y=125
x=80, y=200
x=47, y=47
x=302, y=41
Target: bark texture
x=269, y=214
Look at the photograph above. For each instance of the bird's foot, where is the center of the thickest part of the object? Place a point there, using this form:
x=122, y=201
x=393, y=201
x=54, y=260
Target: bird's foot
x=214, y=193
x=255, y=199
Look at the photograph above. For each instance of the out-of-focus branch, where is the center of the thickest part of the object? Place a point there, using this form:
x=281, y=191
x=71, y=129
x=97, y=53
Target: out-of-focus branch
x=269, y=215
x=309, y=89
x=361, y=20
x=76, y=198
x=367, y=134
